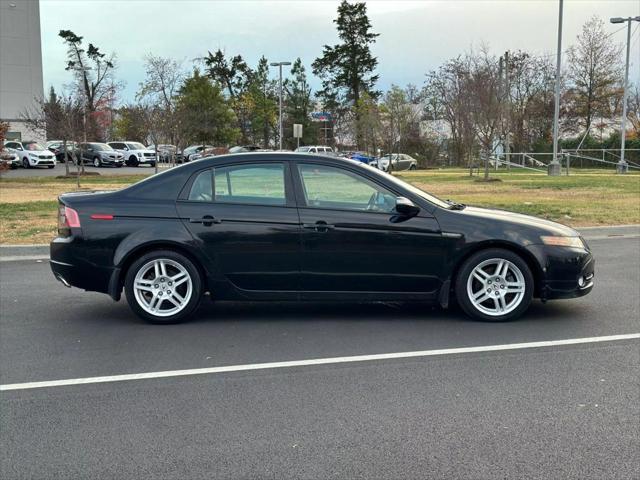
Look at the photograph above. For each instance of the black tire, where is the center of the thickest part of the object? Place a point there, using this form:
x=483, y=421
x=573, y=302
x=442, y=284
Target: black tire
x=153, y=165
x=97, y=162
x=412, y=167
x=50, y=166
x=25, y=163
x=133, y=161
x=188, y=265
x=466, y=270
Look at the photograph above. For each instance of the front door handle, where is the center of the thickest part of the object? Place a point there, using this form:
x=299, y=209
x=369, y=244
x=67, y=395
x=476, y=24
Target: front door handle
x=319, y=226
x=206, y=220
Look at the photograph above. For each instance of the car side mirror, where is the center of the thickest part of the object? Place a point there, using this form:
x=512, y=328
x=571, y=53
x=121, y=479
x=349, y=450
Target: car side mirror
x=406, y=207
x=126, y=148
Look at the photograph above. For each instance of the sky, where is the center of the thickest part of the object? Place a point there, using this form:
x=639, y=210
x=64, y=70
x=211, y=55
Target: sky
x=415, y=36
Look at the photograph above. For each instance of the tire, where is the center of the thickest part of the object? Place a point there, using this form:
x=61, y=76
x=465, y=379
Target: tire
x=513, y=291
x=141, y=301
x=97, y=162
x=133, y=161
x=50, y=166
x=25, y=163
x=153, y=165
x=412, y=167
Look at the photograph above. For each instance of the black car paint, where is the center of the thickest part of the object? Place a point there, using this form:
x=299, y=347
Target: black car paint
x=260, y=252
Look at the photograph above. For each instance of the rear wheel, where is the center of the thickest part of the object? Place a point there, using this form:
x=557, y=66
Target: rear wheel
x=494, y=285
x=97, y=162
x=163, y=287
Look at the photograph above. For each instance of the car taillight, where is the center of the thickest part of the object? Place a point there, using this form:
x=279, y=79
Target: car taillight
x=67, y=218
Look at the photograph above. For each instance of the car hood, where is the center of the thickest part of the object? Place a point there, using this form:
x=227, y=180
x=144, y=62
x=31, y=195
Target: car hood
x=553, y=228
x=39, y=152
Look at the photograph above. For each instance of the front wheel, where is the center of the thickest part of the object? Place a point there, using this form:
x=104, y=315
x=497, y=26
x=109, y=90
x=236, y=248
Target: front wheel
x=50, y=166
x=97, y=162
x=494, y=285
x=25, y=163
x=163, y=287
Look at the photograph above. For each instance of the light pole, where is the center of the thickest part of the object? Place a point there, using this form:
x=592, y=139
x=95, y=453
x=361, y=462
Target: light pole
x=279, y=65
x=554, y=166
x=622, y=166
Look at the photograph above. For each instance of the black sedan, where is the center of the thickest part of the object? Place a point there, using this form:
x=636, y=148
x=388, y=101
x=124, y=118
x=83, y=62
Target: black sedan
x=277, y=226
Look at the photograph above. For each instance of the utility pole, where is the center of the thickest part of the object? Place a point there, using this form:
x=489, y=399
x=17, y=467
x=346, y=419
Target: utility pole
x=623, y=166
x=507, y=143
x=554, y=166
x=279, y=65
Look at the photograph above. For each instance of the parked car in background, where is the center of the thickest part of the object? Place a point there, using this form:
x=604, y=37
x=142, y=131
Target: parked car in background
x=398, y=161
x=9, y=157
x=244, y=148
x=188, y=152
x=362, y=157
x=135, y=153
x=210, y=152
x=56, y=147
x=166, y=152
x=32, y=154
x=100, y=155
x=283, y=226
x=316, y=150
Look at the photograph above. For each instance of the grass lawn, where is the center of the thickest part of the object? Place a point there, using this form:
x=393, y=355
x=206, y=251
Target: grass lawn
x=28, y=206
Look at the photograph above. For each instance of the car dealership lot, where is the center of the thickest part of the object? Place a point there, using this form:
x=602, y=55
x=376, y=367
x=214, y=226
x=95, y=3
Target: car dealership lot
x=564, y=411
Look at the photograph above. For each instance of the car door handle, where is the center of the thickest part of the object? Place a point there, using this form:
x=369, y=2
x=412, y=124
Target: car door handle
x=206, y=220
x=319, y=226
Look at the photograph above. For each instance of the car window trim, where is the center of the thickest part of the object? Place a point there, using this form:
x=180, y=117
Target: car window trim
x=289, y=189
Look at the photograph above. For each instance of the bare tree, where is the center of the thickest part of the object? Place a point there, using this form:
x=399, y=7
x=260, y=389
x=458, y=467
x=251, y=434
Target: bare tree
x=595, y=70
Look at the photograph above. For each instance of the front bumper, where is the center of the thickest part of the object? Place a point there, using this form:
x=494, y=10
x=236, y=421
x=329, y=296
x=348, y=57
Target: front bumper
x=41, y=162
x=112, y=161
x=566, y=272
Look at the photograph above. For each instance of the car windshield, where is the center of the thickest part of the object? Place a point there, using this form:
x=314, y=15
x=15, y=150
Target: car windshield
x=416, y=191
x=136, y=146
x=101, y=147
x=33, y=146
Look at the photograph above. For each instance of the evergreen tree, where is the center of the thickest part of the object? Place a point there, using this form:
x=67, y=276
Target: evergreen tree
x=299, y=105
x=347, y=69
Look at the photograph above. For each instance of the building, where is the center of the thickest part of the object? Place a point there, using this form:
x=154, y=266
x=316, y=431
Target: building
x=20, y=64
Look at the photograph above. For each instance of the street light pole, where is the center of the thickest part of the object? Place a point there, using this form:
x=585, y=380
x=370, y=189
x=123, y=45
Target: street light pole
x=279, y=65
x=554, y=166
x=622, y=166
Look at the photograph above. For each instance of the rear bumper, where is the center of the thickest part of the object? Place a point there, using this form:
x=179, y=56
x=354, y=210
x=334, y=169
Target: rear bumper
x=567, y=272
x=69, y=265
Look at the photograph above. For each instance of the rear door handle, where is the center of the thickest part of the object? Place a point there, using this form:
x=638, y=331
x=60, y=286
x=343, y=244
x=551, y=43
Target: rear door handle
x=319, y=226
x=206, y=220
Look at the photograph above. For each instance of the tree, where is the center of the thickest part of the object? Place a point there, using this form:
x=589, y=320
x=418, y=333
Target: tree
x=93, y=72
x=62, y=117
x=298, y=106
x=130, y=123
x=261, y=104
x=233, y=75
x=594, y=74
x=159, y=89
x=205, y=115
x=400, y=116
x=347, y=68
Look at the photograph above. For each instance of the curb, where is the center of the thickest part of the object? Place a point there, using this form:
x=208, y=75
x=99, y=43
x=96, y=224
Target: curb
x=13, y=253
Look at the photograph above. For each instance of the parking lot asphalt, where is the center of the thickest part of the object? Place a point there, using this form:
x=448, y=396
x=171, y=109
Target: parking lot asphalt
x=568, y=411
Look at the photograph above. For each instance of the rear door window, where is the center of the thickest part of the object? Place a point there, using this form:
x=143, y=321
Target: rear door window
x=259, y=184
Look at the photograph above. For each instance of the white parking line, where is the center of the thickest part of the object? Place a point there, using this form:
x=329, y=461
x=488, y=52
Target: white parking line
x=314, y=361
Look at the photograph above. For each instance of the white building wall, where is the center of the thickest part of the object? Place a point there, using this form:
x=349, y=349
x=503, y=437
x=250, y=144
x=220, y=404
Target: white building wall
x=20, y=63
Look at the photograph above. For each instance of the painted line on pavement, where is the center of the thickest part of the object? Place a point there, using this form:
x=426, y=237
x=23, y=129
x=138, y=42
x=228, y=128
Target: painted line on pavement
x=314, y=361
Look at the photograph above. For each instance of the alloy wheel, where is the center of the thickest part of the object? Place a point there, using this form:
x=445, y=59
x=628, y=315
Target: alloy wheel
x=162, y=287
x=496, y=287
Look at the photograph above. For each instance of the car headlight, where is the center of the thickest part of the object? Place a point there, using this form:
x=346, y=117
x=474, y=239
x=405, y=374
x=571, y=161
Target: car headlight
x=563, y=241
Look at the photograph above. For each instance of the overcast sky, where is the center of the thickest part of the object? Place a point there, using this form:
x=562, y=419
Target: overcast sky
x=415, y=36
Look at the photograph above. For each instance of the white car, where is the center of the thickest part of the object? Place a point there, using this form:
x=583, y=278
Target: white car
x=399, y=161
x=9, y=157
x=135, y=153
x=32, y=154
x=316, y=149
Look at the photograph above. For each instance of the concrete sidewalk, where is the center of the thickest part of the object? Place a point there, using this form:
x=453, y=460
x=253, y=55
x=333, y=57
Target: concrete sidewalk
x=10, y=253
